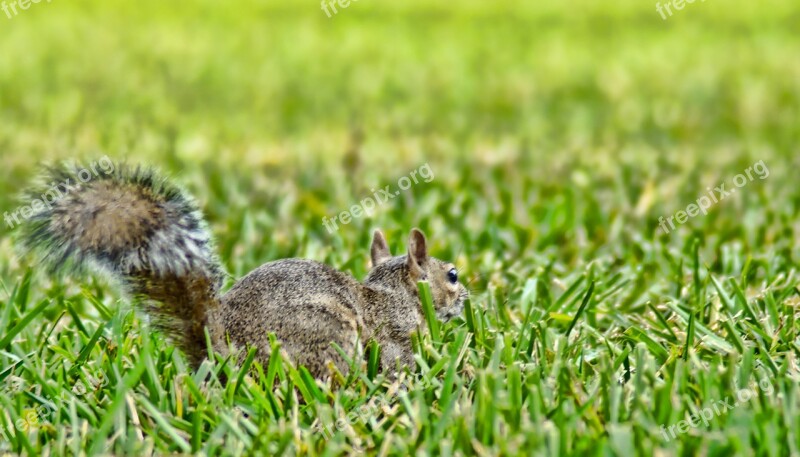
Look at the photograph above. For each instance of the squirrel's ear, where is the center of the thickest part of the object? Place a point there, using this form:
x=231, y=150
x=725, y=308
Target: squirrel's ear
x=380, y=249
x=417, y=250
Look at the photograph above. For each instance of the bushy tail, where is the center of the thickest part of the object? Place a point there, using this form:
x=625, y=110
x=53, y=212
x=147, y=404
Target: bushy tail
x=146, y=232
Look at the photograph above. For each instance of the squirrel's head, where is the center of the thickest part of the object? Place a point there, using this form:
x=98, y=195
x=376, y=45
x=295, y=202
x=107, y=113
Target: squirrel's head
x=447, y=292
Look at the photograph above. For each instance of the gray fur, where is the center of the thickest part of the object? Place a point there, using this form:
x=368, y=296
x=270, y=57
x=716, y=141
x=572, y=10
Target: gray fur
x=151, y=236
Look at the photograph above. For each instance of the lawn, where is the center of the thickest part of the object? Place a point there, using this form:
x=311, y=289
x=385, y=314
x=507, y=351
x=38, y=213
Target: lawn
x=615, y=187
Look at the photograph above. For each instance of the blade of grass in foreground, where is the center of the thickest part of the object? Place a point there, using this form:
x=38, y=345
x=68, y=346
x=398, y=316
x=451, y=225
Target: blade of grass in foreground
x=427, y=308
x=585, y=302
x=88, y=348
x=164, y=425
x=6, y=341
x=117, y=406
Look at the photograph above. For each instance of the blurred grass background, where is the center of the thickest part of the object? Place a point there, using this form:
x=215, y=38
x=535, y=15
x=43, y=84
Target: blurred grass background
x=553, y=92
x=558, y=134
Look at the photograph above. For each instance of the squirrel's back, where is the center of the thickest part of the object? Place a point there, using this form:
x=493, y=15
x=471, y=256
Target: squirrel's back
x=307, y=304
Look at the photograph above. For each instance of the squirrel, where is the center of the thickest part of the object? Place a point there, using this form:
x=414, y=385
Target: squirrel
x=150, y=235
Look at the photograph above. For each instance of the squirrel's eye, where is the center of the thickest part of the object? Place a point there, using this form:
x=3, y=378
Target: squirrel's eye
x=452, y=275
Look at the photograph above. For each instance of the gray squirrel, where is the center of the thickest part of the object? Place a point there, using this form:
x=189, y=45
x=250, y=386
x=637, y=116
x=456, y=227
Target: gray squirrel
x=150, y=235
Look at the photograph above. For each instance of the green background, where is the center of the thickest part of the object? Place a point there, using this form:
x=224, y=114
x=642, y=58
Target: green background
x=558, y=134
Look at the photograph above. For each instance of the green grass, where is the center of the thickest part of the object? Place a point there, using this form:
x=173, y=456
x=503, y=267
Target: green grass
x=558, y=136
